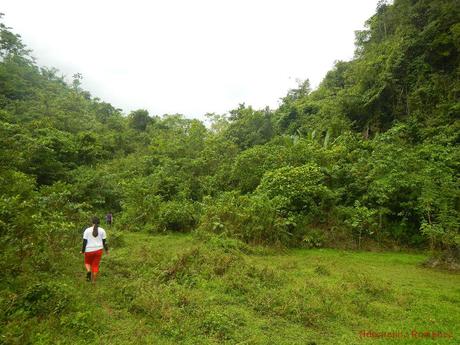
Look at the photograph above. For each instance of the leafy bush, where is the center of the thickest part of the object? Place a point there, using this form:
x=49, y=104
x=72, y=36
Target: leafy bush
x=140, y=204
x=361, y=220
x=251, y=218
x=45, y=298
x=313, y=239
x=17, y=217
x=251, y=164
x=299, y=189
x=177, y=215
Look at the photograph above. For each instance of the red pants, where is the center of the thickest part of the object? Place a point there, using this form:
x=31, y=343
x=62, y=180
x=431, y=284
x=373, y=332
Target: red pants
x=93, y=259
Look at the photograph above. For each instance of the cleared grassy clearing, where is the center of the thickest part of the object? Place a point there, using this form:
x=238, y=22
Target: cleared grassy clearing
x=184, y=289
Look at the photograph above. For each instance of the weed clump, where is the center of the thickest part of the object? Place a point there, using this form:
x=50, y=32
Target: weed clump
x=117, y=239
x=448, y=261
x=45, y=298
x=221, y=324
x=199, y=263
x=322, y=271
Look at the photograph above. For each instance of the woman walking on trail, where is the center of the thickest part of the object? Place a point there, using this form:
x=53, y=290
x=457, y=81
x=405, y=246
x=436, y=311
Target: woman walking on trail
x=94, y=240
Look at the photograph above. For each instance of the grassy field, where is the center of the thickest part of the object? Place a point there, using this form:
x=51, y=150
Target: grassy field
x=184, y=289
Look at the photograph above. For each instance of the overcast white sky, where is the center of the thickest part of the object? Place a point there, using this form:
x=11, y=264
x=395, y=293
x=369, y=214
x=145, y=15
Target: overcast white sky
x=189, y=57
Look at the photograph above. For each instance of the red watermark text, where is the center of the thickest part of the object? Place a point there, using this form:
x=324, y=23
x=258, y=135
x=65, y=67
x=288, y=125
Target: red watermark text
x=414, y=334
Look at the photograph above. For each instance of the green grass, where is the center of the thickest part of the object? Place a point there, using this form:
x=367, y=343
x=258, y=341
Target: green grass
x=184, y=289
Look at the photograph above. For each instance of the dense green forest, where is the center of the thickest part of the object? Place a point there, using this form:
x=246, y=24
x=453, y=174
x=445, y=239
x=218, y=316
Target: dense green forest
x=368, y=160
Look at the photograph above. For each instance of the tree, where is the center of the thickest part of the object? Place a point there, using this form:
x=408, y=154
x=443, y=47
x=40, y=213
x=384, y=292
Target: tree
x=139, y=119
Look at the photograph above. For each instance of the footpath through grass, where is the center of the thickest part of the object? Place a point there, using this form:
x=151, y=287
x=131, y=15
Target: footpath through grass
x=181, y=289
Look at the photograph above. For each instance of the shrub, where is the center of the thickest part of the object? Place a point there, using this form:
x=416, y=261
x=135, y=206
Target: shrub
x=361, y=220
x=300, y=189
x=177, y=216
x=251, y=164
x=313, y=239
x=45, y=298
x=251, y=218
x=222, y=242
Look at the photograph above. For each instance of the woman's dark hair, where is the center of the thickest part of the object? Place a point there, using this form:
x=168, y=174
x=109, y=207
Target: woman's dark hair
x=95, y=221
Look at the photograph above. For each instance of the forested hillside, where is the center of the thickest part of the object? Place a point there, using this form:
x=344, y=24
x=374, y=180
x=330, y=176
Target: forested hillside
x=368, y=160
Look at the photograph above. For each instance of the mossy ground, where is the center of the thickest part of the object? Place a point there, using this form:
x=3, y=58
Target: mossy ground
x=185, y=289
